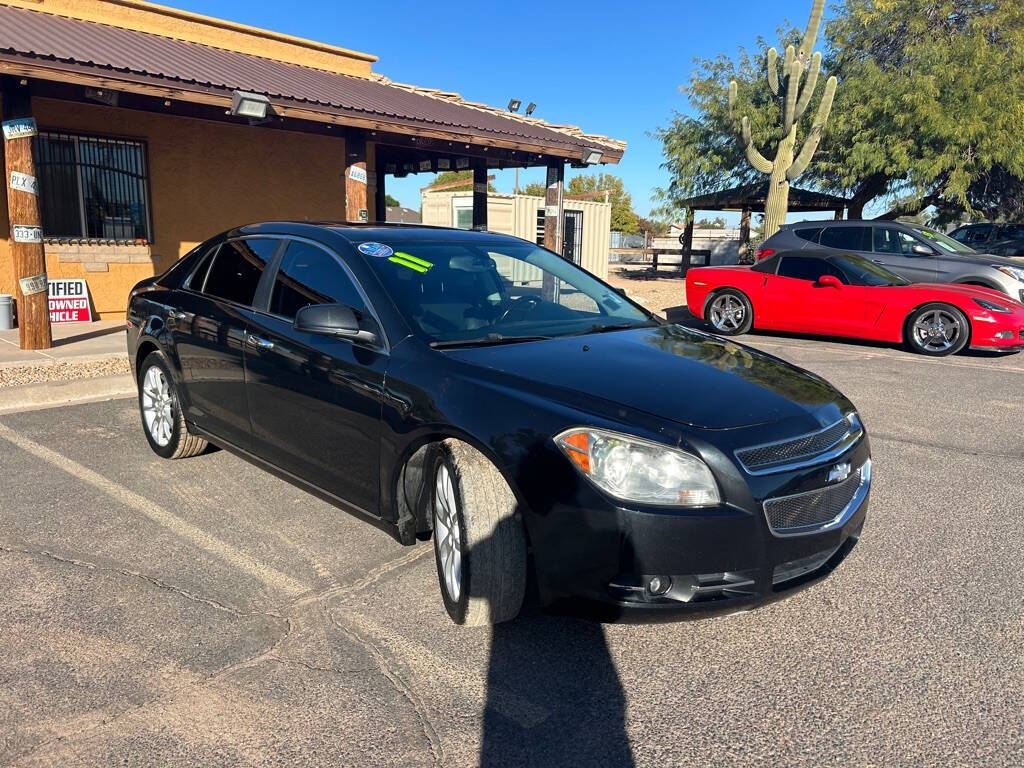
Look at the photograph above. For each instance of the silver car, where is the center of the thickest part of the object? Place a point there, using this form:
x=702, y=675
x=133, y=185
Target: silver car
x=917, y=253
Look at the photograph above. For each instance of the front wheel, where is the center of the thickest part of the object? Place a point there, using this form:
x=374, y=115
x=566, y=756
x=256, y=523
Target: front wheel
x=479, y=542
x=729, y=312
x=162, y=419
x=937, y=330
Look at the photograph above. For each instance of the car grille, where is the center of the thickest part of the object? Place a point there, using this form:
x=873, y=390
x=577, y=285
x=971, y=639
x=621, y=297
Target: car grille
x=770, y=457
x=813, y=511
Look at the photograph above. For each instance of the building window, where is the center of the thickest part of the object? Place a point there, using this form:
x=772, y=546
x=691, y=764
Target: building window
x=92, y=188
x=462, y=212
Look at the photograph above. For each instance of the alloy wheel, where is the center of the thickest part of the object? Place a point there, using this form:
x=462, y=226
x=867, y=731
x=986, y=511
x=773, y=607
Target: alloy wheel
x=447, y=533
x=157, y=406
x=937, y=331
x=727, y=313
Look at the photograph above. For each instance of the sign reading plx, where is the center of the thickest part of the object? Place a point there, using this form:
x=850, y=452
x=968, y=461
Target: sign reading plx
x=69, y=301
x=24, y=183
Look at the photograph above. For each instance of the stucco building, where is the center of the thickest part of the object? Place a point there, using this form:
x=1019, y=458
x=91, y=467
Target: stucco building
x=158, y=128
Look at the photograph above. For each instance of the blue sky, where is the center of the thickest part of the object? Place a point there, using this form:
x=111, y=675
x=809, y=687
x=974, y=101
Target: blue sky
x=609, y=67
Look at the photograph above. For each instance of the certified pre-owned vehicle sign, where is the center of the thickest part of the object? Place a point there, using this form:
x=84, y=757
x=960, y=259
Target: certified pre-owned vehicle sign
x=542, y=423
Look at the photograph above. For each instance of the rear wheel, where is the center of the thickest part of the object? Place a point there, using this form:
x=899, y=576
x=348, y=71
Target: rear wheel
x=162, y=419
x=479, y=542
x=937, y=330
x=729, y=312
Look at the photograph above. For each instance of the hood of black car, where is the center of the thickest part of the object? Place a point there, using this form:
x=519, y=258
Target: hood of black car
x=670, y=372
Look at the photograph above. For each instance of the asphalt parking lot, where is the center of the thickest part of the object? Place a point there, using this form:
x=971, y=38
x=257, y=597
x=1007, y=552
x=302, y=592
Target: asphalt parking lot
x=202, y=612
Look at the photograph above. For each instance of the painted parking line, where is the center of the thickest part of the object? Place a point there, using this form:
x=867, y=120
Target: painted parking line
x=177, y=525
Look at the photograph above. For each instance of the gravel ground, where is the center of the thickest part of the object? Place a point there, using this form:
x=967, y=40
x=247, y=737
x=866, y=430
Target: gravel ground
x=36, y=373
x=655, y=293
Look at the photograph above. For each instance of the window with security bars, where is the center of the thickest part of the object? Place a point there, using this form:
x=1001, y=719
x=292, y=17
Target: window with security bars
x=92, y=188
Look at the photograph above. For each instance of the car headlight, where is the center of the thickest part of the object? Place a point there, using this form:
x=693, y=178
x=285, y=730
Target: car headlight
x=637, y=470
x=991, y=306
x=1015, y=272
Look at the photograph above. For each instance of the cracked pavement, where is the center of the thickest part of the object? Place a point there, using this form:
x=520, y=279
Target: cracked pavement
x=205, y=612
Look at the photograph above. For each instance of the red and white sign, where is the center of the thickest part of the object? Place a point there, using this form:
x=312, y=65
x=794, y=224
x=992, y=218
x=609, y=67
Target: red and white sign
x=69, y=301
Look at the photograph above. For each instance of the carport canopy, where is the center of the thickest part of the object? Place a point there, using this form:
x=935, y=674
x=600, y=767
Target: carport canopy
x=751, y=198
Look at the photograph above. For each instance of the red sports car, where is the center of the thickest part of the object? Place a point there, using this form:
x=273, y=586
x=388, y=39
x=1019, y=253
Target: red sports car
x=851, y=296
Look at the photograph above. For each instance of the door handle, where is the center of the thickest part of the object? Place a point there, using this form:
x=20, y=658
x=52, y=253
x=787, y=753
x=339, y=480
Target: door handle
x=878, y=261
x=258, y=343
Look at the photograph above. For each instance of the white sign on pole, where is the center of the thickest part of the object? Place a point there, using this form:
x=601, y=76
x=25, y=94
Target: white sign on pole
x=357, y=174
x=23, y=234
x=31, y=285
x=19, y=128
x=24, y=183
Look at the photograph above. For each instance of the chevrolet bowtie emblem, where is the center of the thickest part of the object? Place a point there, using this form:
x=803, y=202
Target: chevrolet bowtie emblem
x=839, y=472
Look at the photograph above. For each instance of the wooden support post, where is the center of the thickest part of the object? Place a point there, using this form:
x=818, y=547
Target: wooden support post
x=356, y=209
x=684, y=262
x=26, y=222
x=553, y=217
x=839, y=214
x=480, y=194
x=744, y=249
x=380, y=200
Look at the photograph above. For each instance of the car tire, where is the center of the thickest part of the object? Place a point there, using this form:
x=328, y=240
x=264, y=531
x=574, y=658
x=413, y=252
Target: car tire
x=479, y=541
x=162, y=419
x=927, y=330
x=729, y=312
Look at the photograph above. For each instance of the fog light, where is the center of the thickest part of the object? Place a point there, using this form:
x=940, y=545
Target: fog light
x=659, y=585
x=1004, y=335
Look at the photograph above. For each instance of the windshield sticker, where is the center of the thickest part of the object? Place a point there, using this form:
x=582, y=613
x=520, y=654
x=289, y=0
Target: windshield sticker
x=378, y=250
x=410, y=261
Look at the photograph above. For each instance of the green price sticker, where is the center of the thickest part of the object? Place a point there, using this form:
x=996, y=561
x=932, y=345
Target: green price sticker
x=410, y=261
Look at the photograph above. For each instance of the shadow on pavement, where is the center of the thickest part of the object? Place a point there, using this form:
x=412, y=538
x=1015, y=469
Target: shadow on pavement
x=562, y=669
x=119, y=328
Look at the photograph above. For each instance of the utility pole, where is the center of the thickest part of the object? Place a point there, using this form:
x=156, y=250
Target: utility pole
x=19, y=128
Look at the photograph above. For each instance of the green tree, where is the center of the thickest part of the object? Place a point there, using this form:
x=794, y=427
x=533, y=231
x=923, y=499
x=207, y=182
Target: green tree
x=534, y=188
x=929, y=110
x=716, y=223
x=391, y=202
x=624, y=219
x=653, y=226
x=448, y=177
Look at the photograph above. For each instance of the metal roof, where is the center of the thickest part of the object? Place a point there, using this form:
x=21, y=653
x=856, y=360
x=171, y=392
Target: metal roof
x=754, y=196
x=117, y=53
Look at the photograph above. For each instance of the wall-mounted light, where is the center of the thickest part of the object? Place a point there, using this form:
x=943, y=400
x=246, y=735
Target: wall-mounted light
x=592, y=156
x=252, y=105
x=513, y=105
x=530, y=107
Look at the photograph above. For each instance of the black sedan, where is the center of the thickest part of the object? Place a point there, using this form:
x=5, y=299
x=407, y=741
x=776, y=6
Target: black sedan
x=485, y=392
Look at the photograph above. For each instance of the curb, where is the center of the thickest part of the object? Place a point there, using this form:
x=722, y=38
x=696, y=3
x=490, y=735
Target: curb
x=54, y=394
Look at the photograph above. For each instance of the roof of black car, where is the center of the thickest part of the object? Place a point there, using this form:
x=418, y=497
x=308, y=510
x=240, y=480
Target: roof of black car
x=376, y=231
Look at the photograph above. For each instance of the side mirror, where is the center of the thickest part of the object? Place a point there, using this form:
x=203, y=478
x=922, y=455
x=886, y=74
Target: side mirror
x=332, y=320
x=921, y=250
x=829, y=281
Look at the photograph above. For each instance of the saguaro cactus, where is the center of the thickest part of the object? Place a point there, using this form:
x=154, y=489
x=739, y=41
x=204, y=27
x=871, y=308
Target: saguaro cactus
x=797, y=96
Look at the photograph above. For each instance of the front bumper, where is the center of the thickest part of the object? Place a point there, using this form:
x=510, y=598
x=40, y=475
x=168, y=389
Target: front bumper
x=600, y=559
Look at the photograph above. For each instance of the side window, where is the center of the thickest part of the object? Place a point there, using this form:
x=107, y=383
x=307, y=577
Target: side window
x=236, y=269
x=1012, y=232
x=887, y=240
x=808, y=233
x=310, y=275
x=198, y=276
x=807, y=268
x=847, y=238
x=976, y=235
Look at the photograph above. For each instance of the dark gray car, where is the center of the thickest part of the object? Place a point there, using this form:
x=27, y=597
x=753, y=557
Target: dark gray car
x=917, y=253
x=1000, y=239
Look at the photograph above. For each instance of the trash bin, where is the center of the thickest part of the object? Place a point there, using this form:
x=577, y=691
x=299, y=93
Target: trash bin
x=6, y=312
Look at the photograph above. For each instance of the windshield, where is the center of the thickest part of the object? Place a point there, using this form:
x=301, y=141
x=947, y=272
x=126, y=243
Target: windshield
x=861, y=271
x=485, y=290
x=943, y=242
